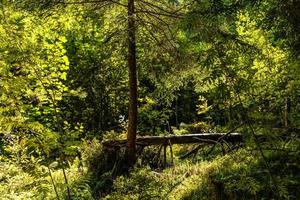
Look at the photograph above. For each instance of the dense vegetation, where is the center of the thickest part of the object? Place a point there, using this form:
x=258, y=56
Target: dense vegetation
x=69, y=70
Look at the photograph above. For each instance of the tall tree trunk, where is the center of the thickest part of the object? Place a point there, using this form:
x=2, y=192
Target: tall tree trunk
x=132, y=113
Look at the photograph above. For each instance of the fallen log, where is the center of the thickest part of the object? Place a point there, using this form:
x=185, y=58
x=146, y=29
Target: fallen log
x=211, y=138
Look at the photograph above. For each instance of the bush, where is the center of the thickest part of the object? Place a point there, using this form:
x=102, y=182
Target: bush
x=17, y=184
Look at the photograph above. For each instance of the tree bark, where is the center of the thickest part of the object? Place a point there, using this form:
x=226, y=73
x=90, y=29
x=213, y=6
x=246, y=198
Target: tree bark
x=132, y=113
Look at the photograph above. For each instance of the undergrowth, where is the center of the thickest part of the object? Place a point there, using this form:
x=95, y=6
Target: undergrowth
x=240, y=175
x=237, y=175
x=16, y=183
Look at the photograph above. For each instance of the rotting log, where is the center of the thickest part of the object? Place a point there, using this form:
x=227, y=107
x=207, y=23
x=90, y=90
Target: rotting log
x=210, y=138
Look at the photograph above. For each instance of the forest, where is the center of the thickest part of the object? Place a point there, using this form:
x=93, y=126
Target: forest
x=148, y=99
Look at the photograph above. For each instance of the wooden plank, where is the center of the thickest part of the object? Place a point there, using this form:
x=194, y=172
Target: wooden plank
x=179, y=139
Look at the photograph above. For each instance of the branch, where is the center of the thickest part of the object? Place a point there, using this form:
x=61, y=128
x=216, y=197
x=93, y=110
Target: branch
x=92, y=2
x=158, y=13
x=193, y=151
x=159, y=28
x=174, y=12
x=152, y=35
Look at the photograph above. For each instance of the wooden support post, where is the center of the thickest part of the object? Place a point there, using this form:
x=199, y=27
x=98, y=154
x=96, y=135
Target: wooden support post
x=158, y=155
x=223, y=149
x=171, y=152
x=165, y=156
x=140, y=149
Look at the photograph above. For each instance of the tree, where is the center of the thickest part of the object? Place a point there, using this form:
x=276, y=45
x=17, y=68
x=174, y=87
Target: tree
x=132, y=113
x=149, y=10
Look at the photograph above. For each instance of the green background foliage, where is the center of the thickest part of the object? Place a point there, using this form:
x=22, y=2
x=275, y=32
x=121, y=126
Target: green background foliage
x=217, y=65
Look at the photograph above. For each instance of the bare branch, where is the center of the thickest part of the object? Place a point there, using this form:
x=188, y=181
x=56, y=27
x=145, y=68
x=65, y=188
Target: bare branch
x=168, y=38
x=152, y=36
x=160, y=14
x=166, y=12
x=93, y=2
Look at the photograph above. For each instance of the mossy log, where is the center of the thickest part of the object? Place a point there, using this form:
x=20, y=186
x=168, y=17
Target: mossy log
x=211, y=138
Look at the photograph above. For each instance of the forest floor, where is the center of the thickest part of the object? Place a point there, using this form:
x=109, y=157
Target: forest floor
x=240, y=174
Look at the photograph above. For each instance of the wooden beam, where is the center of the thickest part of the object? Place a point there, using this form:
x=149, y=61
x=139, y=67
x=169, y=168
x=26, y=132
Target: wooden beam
x=211, y=138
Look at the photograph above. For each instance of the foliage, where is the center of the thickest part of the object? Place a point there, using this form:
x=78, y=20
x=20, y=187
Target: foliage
x=211, y=66
x=16, y=183
x=152, y=119
x=236, y=176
